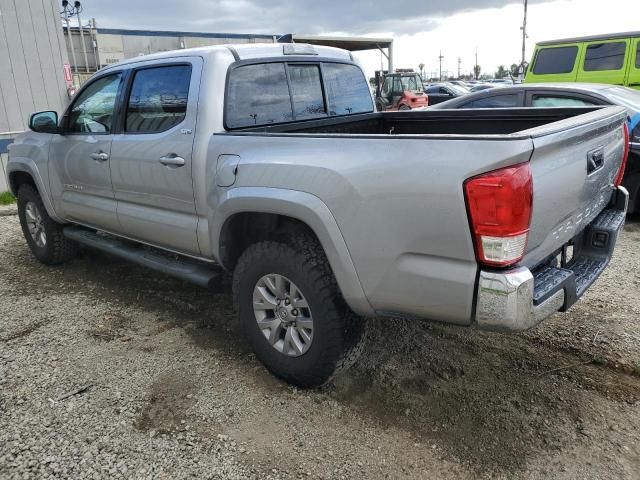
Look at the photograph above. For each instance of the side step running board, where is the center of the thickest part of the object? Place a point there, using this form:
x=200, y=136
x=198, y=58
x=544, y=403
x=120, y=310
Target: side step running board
x=180, y=267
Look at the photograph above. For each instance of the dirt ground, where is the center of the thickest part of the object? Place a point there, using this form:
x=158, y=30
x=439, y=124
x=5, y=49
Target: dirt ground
x=173, y=391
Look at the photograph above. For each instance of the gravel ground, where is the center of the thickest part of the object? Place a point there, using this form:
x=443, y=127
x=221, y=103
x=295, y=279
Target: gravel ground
x=172, y=392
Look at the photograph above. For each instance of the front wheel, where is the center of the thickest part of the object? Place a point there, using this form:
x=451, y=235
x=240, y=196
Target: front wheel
x=43, y=234
x=292, y=313
x=404, y=108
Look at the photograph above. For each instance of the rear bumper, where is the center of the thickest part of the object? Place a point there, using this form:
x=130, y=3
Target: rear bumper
x=518, y=299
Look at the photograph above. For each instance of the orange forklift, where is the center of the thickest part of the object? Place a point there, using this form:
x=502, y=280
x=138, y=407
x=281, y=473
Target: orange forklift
x=402, y=90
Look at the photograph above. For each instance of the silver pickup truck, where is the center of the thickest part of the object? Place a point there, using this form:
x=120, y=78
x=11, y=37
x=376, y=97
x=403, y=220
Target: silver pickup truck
x=269, y=161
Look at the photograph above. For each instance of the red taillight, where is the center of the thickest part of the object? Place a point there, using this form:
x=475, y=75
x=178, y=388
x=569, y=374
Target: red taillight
x=625, y=156
x=499, y=205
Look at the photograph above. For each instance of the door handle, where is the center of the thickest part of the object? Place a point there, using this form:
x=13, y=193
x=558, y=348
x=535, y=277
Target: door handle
x=172, y=161
x=100, y=156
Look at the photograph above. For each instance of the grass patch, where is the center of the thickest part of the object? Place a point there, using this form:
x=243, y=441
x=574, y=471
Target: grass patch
x=6, y=198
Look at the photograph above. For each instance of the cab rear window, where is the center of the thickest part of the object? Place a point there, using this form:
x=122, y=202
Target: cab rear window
x=555, y=60
x=279, y=92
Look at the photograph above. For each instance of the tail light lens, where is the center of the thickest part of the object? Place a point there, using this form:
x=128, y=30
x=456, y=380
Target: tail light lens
x=499, y=205
x=625, y=156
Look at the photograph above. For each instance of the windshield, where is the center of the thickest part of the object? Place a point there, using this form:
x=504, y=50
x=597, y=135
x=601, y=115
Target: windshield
x=410, y=83
x=624, y=96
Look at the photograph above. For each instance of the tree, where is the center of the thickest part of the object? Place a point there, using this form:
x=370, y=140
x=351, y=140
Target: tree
x=476, y=71
x=514, y=69
x=501, y=73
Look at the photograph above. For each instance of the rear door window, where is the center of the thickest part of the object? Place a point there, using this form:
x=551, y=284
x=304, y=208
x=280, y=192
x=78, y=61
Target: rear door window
x=258, y=95
x=347, y=89
x=559, y=101
x=555, y=60
x=638, y=56
x=604, y=56
x=158, y=99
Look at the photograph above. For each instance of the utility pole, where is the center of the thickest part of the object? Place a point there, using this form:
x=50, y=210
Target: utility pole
x=459, y=63
x=67, y=12
x=440, y=58
x=524, y=33
x=475, y=68
x=78, y=8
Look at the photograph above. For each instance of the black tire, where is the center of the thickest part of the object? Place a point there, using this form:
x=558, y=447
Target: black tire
x=338, y=333
x=404, y=108
x=58, y=249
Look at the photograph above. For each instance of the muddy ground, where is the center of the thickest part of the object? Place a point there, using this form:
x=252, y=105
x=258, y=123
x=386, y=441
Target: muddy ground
x=173, y=392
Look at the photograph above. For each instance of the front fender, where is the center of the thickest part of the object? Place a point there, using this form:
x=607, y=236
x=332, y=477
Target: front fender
x=28, y=166
x=308, y=209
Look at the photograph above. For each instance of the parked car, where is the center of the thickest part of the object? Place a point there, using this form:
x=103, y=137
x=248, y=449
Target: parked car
x=478, y=87
x=441, y=92
x=460, y=84
x=270, y=161
x=613, y=59
x=566, y=95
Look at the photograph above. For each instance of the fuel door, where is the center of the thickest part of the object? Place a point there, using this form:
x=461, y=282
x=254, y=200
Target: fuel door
x=226, y=170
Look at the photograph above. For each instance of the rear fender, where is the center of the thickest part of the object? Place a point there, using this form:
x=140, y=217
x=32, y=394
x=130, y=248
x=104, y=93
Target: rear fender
x=310, y=210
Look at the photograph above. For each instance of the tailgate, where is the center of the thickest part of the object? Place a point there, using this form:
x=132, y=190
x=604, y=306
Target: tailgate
x=574, y=164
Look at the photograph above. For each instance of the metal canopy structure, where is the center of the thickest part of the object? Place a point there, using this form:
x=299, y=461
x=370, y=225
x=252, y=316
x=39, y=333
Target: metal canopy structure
x=352, y=44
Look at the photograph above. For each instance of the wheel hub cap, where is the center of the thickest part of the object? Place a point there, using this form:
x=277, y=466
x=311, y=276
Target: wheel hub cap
x=35, y=224
x=283, y=315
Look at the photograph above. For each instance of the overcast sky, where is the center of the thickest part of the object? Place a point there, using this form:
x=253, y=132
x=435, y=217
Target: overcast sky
x=421, y=28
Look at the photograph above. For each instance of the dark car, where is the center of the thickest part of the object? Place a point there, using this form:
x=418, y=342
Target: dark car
x=441, y=92
x=568, y=95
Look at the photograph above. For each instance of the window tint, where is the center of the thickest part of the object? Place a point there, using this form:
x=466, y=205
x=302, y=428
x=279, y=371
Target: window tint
x=92, y=110
x=258, y=95
x=558, y=101
x=497, y=101
x=158, y=99
x=432, y=89
x=555, y=60
x=347, y=89
x=306, y=90
x=604, y=56
x=638, y=56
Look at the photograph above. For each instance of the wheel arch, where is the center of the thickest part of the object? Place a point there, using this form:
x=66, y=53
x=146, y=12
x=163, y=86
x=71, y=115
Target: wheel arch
x=21, y=171
x=246, y=215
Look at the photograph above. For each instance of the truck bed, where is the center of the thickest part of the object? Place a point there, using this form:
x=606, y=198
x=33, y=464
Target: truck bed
x=430, y=122
x=394, y=184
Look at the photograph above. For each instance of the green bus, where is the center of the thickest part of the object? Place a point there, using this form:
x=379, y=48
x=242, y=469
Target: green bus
x=613, y=59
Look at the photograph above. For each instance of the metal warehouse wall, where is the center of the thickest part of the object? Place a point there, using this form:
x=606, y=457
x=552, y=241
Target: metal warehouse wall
x=32, y=57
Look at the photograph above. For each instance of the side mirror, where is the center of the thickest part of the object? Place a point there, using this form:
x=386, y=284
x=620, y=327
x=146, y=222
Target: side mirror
x=44, y=122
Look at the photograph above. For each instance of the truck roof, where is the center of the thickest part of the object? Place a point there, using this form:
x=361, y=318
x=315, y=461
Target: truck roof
x=610, y=36
x=248, y=52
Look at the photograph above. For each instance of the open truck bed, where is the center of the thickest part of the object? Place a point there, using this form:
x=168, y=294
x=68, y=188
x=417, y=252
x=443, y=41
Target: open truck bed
x=395, y=184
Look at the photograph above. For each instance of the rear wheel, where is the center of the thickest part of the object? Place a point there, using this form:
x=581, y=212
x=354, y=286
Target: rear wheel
x=292, y=313
x=404, y=107
x=44, y=235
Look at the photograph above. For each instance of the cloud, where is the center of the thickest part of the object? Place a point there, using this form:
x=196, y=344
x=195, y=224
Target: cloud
x=357, y=17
